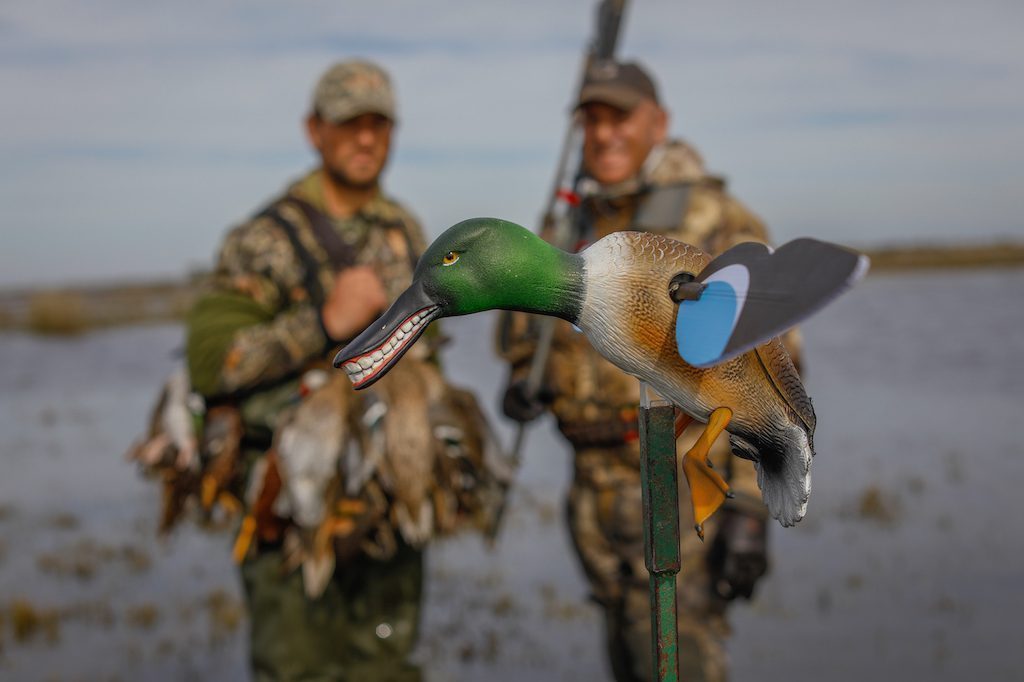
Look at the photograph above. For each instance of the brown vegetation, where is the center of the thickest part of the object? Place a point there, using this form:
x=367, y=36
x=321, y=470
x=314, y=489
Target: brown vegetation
x=876, y=506
x=67, y=311
x=56, y=312
x=226, y=613
x=85, y=557
x=1007, y=254
x=74, y=310
x=143, y=616
x=27, y=621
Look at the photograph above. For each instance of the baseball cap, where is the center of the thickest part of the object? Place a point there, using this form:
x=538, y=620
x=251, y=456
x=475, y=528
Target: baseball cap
x=620, y=84
x=352, y=88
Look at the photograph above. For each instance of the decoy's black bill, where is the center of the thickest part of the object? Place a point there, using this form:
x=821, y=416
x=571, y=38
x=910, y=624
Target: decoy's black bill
x=376, y=350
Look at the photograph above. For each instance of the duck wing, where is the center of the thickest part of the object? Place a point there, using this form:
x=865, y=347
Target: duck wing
x=780, y=369
x=750, y=294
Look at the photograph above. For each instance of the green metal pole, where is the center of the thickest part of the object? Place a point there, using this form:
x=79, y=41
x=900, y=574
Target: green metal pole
x=659, y=480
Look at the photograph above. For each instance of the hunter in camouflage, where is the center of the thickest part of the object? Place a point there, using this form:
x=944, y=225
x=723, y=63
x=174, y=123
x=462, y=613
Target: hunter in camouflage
x=282, y=295
x=261, y=278
x=631, y=167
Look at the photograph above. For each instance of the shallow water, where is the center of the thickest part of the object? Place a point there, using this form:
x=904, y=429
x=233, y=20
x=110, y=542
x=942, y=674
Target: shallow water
x=906, y=566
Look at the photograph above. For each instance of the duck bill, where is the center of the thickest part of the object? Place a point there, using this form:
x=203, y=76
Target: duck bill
x=376, y=350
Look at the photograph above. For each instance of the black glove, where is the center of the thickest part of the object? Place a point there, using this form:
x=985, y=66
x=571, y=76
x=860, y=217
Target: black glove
x=738, y=556
x=518, y=405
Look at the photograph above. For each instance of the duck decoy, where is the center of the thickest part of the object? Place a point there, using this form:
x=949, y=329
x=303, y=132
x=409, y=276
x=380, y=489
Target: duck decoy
x=630, y=294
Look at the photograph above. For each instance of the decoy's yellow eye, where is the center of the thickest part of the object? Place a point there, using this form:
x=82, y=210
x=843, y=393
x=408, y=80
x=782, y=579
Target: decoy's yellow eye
x=450, y=258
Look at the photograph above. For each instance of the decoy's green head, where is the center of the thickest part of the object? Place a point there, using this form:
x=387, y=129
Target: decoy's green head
x=476, y=265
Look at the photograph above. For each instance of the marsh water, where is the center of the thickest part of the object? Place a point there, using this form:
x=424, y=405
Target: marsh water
x=908, y=565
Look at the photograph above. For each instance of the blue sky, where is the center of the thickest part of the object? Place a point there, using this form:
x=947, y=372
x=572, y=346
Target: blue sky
x=133, y=134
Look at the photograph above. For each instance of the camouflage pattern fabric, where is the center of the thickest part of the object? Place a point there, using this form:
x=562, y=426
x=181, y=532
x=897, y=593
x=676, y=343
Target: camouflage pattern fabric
x=252, y=332
x=255, y=324
x=363, y=627
x=590, y=393
x=352, y=88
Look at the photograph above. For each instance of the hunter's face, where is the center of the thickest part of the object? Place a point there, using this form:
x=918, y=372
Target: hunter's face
x=355, y=151
x=616, y=142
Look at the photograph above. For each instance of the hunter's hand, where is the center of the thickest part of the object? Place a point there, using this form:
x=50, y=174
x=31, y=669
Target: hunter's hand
x=520, y=406
x=356, y=300
x=738, y=557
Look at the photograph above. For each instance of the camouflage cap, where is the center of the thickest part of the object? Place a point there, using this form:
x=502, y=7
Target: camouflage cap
x=352, y=88
x=622, y=85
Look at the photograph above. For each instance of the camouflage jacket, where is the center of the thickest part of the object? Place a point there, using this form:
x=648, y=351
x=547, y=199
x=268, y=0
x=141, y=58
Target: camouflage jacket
x=588, y=391
x=255, y=324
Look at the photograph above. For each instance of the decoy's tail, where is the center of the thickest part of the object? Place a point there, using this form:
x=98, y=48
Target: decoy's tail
x=783, y=470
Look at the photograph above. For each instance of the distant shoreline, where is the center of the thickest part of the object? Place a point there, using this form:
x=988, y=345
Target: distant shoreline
x=897, y=258
x=72, y=309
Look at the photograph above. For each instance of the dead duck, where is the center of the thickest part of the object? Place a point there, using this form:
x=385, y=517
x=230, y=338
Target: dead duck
x=409, y=460
x=617, y=293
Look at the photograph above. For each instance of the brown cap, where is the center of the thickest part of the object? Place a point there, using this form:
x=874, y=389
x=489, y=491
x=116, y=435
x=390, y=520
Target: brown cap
x=352, y=88
x=622, y=85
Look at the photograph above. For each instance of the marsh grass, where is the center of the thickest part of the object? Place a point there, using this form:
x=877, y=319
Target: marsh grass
x=67, y=311
x=57, y=313
x=27, y=621
x=896, y=258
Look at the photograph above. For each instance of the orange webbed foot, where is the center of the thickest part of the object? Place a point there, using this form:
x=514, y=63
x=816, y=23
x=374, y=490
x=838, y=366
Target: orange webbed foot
x=708, y=490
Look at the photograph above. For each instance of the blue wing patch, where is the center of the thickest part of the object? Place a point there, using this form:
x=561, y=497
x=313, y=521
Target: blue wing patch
x=752, y=294
x=704, y=326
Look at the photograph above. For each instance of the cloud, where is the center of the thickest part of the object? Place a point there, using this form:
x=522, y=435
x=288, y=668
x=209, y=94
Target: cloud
x=133, y=134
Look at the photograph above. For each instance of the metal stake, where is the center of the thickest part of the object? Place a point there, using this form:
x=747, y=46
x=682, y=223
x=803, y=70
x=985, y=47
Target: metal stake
x=659, y=481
